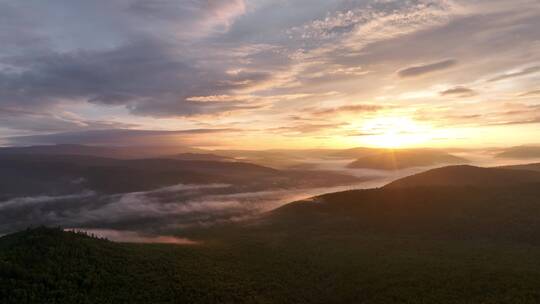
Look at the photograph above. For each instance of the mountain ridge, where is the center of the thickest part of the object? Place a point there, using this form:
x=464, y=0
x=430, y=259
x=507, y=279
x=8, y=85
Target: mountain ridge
x=403, y=159
x=467, y=175
x=34, y=174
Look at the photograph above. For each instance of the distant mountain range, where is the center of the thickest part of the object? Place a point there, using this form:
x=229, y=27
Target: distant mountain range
x=364, y=158
x=368, y=158
x=403, y=159
x=120, y=152
x=41, y=174
x=463, y=176
x=530, y=167
x=520, y=152
x=200, y=157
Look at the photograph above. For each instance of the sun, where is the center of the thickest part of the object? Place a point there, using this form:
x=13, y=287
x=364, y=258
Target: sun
x=395, y=132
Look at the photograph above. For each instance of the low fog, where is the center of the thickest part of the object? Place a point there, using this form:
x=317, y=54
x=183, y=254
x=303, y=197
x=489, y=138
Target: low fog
x=161, y=215
x=163, y=211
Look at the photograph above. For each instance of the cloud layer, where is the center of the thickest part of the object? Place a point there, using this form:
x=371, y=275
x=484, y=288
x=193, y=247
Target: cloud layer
x=427, y=68
x=145, y=216
x=248, y=66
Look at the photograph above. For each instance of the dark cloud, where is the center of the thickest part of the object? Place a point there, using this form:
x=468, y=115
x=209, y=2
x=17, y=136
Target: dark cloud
x=144, y=76
x=114, y=137
x=523, y=72
x=151, y=70
x=16, y=31
x=427, y=68
x=197, y=16
x=27, y=120
x=458, y=92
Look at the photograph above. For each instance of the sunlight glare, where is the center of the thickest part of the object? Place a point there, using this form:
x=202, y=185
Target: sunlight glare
x=395, y=132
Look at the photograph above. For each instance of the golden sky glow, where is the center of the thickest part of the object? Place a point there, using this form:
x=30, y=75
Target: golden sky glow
x=261, y=74
x=395, y=132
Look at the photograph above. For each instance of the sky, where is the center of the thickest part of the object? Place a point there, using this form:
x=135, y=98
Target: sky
x=253, y=74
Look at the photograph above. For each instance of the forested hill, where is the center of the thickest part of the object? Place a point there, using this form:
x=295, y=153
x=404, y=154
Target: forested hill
x=422, y=243
x=468, y=176
x=457, y=202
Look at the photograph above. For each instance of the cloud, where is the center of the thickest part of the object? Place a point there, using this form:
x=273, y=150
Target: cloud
x=530, y=93
x=519, y=73
x=197, y=18
x=419, y=70
x=343, y=38
x=151, y=70
x=249, y=63
x=458, y=92
x=43, y=121
x=115, y=137
x=370, y=21
x=506, y=114
x=306, y=128
x=524, y=121
x=362, y=134
x=256, y=100
x=145, y=76
x=358, y=108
